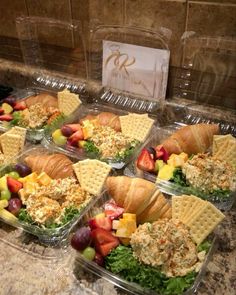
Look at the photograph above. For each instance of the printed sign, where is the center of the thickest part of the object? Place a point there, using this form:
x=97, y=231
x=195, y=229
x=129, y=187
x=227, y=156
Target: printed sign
x=135, y=69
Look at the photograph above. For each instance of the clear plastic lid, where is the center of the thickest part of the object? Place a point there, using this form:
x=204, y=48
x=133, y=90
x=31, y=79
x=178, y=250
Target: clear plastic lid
x=207, y=74
x=136, y=48
x=56, y=51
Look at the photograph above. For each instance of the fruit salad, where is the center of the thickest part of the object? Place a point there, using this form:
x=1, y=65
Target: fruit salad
x=91, y=138
x=148, y=254
x=36, y=199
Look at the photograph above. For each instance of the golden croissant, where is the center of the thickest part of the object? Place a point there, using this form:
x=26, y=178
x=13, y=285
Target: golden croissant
x=55, y=165
x=138, y=196
x=105, y=119
x=191, y=139
x=46, y=99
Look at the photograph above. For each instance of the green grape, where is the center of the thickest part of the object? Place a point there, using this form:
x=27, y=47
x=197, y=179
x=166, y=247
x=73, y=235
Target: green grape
x=14, y=174
x=89, y=253
x=5, y=195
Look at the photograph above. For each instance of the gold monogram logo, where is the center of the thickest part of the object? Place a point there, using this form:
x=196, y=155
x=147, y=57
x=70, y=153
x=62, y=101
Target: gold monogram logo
x=120, y=60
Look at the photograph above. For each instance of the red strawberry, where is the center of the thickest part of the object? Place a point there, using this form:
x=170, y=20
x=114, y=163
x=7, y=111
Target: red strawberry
x=112, y=210
x=13, y=185
x=20, y=106
x=161, y=153
x=75, y=137
x=145, y=161
x=1, y=111
x=100, y=222
x=104, y=241
x=6, y=117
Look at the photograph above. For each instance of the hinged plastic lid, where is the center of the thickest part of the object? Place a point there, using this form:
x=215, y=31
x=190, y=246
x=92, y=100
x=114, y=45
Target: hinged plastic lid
x=55, y=50
x=114, y=38
x=208, y=73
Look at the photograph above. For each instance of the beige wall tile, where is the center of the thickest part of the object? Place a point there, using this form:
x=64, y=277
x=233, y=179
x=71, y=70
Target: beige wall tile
x=59, y=10
x=9, y=10
x=154, y=14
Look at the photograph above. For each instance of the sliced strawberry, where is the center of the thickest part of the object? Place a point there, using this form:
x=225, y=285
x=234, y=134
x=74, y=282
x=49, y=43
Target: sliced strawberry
x=75, y=137
x=106, y=248
x=100, y=222
x=112, y=210
x=1, y=111
x=13, y=185
x=6, y=117
x=145, y=161
x=74, y=127
x=161, y=153
x=20, y=106
x=102, y=236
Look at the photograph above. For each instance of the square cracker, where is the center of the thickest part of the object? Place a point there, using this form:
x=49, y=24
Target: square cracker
x=92, y=175
x=191, y=207
x=11, y=145
x=68, y=102
x=21, y=132
x=204, y=222
x=136, y=126
x=197, y=205
x=177, y=207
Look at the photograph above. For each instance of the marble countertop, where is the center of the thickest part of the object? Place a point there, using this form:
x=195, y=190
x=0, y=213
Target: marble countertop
x=30, y=269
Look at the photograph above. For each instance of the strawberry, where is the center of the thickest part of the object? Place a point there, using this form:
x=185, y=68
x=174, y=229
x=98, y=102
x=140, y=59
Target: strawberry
x=145, y=161
x=1, y=111
x=20, y=106
x=112, y=210
x=6, y=117
x=161, y=153
x=75, y=137
x=13, y=185
x=74, y=127
x=104, y=241
x=100, y=222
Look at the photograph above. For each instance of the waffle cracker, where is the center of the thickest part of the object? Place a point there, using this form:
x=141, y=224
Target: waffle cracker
x=92, y=175
x=11, y=145
x=21, y=132
x=191, y=208
x=136, y=126
x=204, y=221
x=68, y=102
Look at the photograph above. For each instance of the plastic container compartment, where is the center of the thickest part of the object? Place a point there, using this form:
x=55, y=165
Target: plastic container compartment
x=93, y=109
x=53, y=237
x=90, y=270
x=167, y=186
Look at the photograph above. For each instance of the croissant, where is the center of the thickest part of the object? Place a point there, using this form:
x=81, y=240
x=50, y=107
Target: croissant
x=191, y=139
x=55, y=165
x=138, y=196
x=46, y=99
x=105, y=119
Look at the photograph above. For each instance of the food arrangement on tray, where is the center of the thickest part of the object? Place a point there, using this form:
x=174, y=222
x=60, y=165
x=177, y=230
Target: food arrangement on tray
x=195, y=160
x=104, y=135
x=138, y=236
x=46, y=192
x=39, y=110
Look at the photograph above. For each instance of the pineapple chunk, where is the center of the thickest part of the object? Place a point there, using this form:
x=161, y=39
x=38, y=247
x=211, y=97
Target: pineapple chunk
x=87, y=129
x=33, y=177
x=177, y=160
x=3, y=204
x=115, y=224
x=44, y=179
x=3, y=183
x=166, y=172
x=125, y=228
x=129, y=216
x=30, y=187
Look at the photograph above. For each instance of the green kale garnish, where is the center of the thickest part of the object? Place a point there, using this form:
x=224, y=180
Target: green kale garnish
x=178, y=177
x=17, y=119
x=55, y=123
x=122, y=262
x=121, y=156
x=25, y=217
x=91, y=149
x=204, y=246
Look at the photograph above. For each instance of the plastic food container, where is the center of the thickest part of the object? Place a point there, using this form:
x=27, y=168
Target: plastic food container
x=49, y=236
x=83, y=111
x=91, y=271
x=169, y=187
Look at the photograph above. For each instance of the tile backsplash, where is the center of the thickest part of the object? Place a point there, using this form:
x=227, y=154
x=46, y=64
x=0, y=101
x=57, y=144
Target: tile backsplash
x=202, y=61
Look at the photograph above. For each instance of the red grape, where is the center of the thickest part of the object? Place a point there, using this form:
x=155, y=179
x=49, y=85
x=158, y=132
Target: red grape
x=66, y=131
x=81, y=238
x=22, y=169
x=14, y=205
x=99, y=259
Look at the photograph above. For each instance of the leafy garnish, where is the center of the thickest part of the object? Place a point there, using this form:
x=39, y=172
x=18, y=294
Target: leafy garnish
x=91, y=148
x=122, y=262
x=55, y=123
x=17, y=119
x=25, y=217
x=204, y=246
x=121, y=156
x=178, y=177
